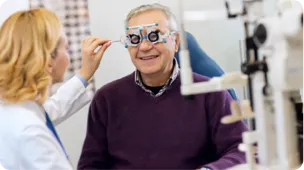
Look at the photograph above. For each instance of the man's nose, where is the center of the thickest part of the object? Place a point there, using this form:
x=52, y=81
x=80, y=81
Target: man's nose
x=145, y=45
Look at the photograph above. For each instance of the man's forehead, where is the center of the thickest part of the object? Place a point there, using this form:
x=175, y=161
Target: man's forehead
x=161, y=25
x=137, y=22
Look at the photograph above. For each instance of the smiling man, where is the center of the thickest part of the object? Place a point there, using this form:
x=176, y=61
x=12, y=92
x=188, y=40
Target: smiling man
x=142, y=121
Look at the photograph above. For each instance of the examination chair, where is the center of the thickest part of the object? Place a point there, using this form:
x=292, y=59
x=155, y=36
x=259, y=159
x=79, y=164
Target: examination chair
x=201, y=63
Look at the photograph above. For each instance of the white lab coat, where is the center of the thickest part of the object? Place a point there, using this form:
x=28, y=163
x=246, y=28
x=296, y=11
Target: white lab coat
x=25, y=141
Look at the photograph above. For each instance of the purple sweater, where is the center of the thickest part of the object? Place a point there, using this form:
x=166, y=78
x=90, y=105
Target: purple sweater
x=130, y=129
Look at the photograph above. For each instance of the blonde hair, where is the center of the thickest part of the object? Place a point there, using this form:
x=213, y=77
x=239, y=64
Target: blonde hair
x=27, y=40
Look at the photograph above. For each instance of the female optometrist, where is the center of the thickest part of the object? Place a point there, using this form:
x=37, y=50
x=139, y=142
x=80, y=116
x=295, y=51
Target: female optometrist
x=33, y=55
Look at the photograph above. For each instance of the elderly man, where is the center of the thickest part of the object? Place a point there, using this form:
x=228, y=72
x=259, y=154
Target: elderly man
x=142, y=121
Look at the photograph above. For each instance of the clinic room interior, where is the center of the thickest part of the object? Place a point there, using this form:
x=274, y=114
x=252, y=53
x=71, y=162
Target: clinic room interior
x=128, y=120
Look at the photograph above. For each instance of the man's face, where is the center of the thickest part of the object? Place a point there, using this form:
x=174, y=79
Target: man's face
x=151, y=58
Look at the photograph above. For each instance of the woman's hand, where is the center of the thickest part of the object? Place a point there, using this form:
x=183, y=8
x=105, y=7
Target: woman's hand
x=90, y=57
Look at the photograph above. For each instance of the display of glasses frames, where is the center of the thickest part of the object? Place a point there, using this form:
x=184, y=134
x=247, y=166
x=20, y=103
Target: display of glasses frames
x=75, y=19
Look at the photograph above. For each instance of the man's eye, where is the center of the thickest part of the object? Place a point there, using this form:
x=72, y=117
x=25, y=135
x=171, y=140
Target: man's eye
x=153, y=36
x=135, y=39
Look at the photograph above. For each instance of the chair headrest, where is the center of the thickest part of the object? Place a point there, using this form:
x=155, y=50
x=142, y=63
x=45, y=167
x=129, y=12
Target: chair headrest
x=201, y=63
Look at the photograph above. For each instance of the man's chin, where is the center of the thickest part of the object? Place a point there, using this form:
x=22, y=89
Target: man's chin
x=149, y=71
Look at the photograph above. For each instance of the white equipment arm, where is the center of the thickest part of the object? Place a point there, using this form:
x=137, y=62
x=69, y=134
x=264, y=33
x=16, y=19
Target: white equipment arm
x=272, y=81
x=227, y=81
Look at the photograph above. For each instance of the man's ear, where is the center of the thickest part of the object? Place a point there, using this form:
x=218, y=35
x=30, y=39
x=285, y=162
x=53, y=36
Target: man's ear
x=177, y=40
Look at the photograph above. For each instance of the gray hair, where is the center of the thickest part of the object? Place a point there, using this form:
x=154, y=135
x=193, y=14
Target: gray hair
x=155, y=6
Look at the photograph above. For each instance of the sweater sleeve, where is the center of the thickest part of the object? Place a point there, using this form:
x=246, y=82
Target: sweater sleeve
x=95, y=151
x=225, y=137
